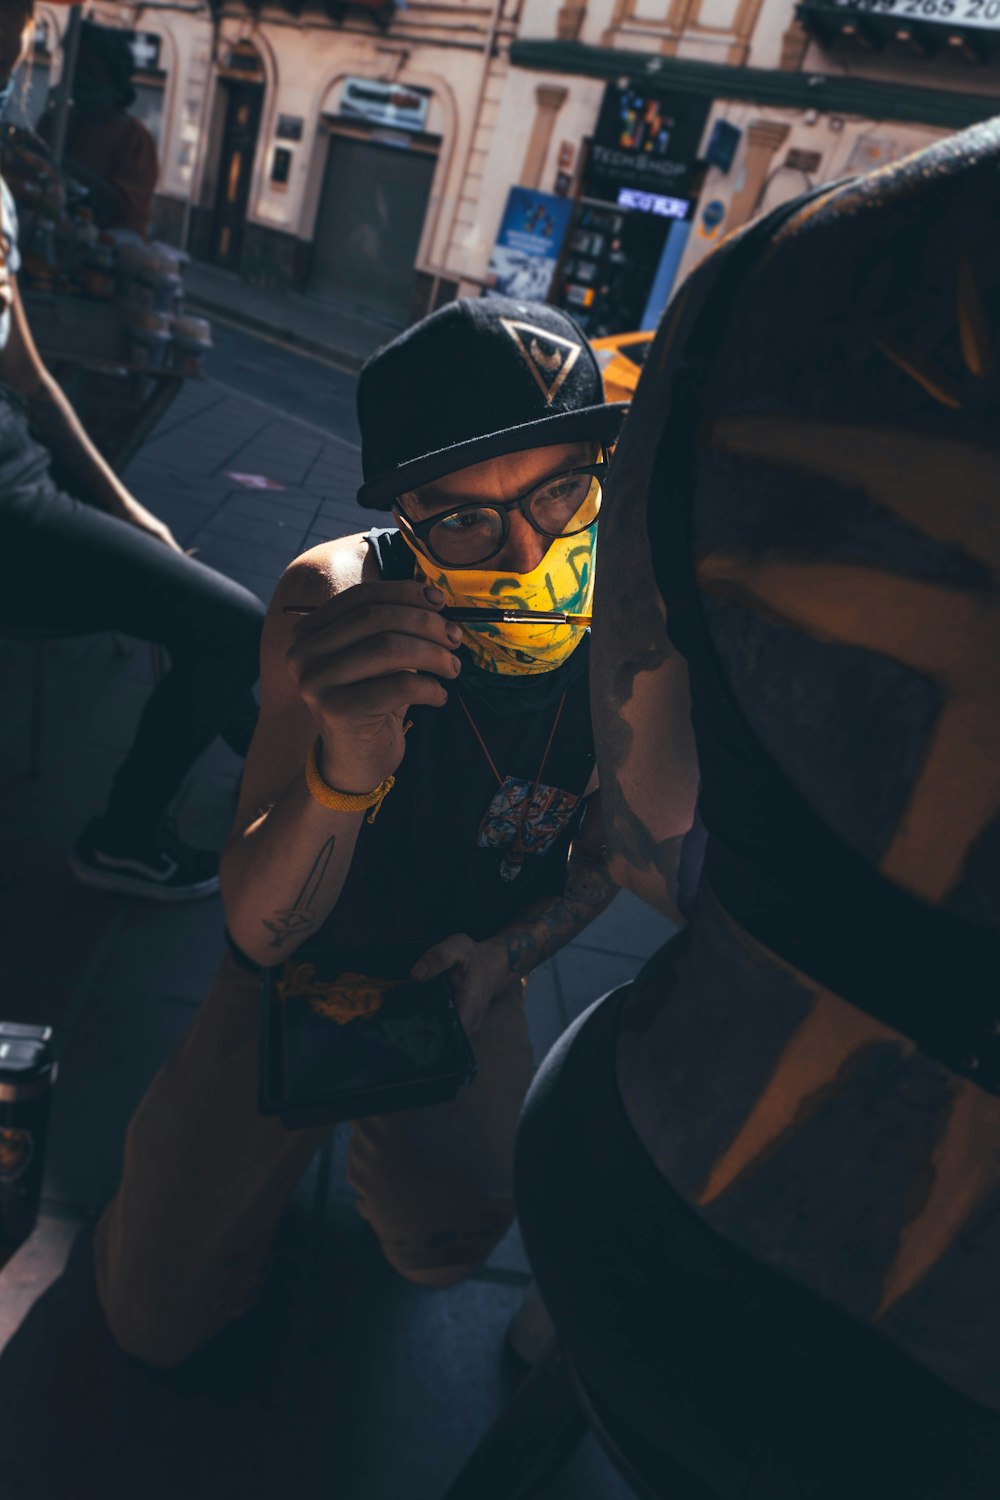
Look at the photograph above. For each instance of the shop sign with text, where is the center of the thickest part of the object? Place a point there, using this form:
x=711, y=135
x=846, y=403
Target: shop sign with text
x=385, y=103
x=981, y=13
x=644, y=141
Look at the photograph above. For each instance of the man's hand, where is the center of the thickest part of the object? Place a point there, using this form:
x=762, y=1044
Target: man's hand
x=476, y=971
x=137, y=515
x=360, y=661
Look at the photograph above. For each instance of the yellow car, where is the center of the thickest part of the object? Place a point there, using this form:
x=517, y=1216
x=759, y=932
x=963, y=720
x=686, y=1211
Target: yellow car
x=621, y=357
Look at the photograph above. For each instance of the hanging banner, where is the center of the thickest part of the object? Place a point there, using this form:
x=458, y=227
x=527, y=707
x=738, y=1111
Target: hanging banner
x=528, y=244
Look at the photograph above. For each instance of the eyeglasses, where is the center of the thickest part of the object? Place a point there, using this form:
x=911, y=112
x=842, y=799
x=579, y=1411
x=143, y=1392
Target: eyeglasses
x=561, y=505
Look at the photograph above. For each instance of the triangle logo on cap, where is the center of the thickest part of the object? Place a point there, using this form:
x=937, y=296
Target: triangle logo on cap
x=548, y=356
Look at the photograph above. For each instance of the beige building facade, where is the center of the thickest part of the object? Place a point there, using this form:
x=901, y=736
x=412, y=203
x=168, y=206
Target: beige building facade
x=365, y=152
x=883, y=85
x=318, y=150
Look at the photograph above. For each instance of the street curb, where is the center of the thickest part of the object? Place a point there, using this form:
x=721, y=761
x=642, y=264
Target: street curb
x=347, y=359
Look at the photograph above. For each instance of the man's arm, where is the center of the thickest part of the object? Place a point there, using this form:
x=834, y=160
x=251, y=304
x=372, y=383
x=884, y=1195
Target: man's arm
x=341, y=679
x=56, y=425
x=548, y=925
x=479, y=971
x=287, y=857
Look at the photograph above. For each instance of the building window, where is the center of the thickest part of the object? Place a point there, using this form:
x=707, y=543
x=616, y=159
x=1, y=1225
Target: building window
x=149, y=82
x=32, y=87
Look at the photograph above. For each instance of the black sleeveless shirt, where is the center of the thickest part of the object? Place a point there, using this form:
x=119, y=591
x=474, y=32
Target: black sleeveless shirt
x=420, y=872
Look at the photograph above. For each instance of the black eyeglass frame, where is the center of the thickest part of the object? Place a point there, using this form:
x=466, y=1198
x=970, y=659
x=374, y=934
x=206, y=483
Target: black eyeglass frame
x=420, y=530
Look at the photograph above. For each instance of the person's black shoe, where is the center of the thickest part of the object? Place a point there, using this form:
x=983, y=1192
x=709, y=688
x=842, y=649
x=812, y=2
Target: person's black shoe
x=165, y=870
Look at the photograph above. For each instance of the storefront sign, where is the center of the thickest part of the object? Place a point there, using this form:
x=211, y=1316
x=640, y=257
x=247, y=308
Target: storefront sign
x=528, y=244
x=606, y=164
x=653, y=203
x=644, y=141
x=385, y=103
x=980, y=13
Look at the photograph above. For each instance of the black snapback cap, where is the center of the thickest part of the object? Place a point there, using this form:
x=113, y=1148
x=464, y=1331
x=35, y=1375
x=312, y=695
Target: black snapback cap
x=479, y=378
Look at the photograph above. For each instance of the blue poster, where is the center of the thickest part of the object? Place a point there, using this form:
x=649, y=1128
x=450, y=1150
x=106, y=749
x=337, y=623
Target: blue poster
x=528, y=244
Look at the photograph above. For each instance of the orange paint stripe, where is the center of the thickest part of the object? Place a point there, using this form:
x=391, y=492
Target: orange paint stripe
x=966, y=1170
x=917, y=367
x=973, y=329
x=812, y=1068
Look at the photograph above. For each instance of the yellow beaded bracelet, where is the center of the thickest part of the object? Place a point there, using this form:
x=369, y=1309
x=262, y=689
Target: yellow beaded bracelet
x=328, y=795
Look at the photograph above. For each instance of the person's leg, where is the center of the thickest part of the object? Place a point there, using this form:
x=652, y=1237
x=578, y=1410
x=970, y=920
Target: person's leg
x=73, y=569
x=210, y=627
x=435, y=1183
x=184, y=1246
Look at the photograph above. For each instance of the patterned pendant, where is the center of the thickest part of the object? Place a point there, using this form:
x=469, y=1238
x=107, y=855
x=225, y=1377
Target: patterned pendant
x=510, y=869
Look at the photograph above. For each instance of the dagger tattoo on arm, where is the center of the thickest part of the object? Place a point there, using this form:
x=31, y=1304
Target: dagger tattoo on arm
x=300, y=916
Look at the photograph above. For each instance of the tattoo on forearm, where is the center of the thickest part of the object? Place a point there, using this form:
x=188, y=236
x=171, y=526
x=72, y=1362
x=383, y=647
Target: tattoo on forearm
x=549, y=925
x=300, y=916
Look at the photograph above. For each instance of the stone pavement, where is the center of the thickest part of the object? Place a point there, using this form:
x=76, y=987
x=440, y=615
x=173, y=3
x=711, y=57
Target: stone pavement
x=345, y=1381
x=313, y=323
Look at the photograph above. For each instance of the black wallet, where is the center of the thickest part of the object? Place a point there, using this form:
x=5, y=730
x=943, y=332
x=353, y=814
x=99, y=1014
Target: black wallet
x=339, y=1042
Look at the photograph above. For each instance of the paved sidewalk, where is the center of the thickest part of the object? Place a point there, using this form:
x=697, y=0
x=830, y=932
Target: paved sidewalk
x=313, y=323
x=345, y=1381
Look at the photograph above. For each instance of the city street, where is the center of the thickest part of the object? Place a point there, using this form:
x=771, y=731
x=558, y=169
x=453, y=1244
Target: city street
x=312, y=389
x=759, y=1184
x=345, y=1381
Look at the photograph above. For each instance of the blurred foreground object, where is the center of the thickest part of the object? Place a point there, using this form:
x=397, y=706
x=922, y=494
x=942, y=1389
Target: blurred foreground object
x=759, y=1187
x=27, y=1072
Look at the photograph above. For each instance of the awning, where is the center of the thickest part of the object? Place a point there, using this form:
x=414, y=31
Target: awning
x=834, y=94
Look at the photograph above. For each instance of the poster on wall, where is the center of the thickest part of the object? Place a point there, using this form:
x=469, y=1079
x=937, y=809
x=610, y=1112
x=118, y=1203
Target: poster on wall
x=528, y=244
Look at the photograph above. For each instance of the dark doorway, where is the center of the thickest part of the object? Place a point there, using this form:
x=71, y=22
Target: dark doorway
x=236, y=159
x=368, y=228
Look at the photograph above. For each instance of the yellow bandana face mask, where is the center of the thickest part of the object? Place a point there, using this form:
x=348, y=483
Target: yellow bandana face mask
x=563, y=580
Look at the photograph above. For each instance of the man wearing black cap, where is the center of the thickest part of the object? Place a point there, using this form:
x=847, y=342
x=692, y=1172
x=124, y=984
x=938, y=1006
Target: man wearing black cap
x=416, y=779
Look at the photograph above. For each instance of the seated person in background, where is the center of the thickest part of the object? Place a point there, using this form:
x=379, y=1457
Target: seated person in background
x=98, y=560
x=109, y=150
x=485, y=429
x=760, y=1187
